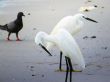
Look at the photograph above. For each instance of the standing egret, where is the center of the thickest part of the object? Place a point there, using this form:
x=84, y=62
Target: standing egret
x=73, y=24
x=68, y=46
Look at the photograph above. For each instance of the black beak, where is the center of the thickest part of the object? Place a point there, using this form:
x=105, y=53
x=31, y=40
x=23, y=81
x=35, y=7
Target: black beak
x=45, y=49
x=23, y=15
x=89, y=19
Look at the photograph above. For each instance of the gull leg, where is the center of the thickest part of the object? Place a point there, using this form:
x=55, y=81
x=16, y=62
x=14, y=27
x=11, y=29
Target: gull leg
x=8, y=38
x=17, y=37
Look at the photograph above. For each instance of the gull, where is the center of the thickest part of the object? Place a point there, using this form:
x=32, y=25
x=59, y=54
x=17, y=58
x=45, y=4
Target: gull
x=14, y=26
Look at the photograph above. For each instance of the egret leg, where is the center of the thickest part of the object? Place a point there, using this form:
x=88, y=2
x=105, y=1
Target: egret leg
x=60, y=61
x=67, y=69
x=8, y=36
x=71, y=68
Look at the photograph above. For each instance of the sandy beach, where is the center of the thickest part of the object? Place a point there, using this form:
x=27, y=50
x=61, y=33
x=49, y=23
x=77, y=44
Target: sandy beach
x=23, y=61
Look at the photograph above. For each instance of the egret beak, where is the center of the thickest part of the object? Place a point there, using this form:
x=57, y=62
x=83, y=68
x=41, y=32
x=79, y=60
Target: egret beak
x=89, y=19
x=45, y=49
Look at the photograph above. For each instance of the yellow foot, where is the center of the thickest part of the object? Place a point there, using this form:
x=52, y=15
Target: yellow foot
x=62, y=70
x=76, y=71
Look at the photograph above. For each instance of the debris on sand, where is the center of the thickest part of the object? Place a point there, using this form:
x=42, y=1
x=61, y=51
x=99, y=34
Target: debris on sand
x=87, y=8
x=33, y=75
x=99, y=66
x=31, y=66
x=102, y=7
x=87, y=1
x=85, y=37
x=34, y=29
x=93, y=36
x=105, y=48
x=95, y=6
x=42, y=75
x=29, y=14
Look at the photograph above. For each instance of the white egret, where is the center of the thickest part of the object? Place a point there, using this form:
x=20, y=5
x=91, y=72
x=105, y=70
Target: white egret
x=73, y=24
x=67, y=45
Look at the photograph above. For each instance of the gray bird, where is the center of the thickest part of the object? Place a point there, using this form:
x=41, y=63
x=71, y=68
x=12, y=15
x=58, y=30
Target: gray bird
x=14, y=26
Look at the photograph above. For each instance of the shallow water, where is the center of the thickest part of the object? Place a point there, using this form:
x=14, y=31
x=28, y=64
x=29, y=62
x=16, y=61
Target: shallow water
x=2, y=3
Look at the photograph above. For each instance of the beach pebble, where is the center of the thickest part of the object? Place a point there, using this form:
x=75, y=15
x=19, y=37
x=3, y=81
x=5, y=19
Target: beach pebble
x=85, y=37
x=33, y=75
x=34, y=29
x=104, y=48
x=93, y=36
x=86, y=10
x=95, y=6
x=43, y=75
x=29, y=14
x=31, y=66
x=102, y=7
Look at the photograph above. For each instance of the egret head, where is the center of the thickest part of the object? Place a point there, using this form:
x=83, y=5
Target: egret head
x=82, y=17
x=40, y=40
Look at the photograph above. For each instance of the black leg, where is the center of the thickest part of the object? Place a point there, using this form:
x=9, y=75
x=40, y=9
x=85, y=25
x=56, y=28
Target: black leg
x=67, y=69
x=71, y=68
x=17, y=37
x=60, y=61
x=8, y=36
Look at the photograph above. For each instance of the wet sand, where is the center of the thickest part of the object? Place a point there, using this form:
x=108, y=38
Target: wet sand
x=25, y=62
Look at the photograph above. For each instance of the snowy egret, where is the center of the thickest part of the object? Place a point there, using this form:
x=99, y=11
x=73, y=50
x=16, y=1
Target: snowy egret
x=40, y=41
x=73, y=24
x=68, y=46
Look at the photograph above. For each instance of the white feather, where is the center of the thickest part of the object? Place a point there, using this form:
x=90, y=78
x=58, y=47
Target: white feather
x=73, y=24
x=67, y=44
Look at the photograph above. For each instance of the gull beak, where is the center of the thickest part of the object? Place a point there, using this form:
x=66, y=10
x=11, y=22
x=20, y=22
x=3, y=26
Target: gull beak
x=89, y=19
x=45, y=49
